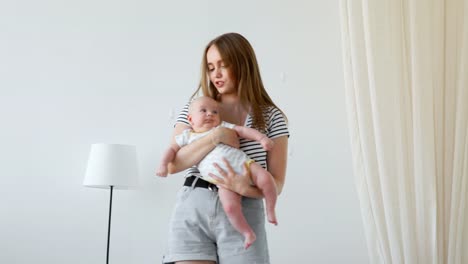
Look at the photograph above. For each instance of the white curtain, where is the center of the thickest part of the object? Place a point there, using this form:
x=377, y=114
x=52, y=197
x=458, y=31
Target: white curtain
x=406, y=75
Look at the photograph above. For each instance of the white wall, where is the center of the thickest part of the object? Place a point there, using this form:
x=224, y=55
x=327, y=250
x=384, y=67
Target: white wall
x=73, y=73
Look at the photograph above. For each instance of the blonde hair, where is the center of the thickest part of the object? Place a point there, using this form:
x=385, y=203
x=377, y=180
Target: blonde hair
x=239, y=56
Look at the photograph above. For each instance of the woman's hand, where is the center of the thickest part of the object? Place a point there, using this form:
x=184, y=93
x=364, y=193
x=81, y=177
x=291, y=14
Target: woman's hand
x=232, y=181
x=226, y=136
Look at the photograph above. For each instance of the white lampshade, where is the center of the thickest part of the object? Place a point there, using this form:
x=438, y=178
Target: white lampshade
x=112, y=165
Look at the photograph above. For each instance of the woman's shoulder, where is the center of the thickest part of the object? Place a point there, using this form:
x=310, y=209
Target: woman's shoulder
x=183, y=114
x=276, y=122
x=271, y=113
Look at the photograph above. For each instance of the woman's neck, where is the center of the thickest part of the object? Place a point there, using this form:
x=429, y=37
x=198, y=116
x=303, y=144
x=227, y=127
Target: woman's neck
x=230, y=99
x=232, y=109
x=232, y=103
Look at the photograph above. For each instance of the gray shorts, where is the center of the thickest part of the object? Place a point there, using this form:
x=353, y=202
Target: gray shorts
x=200, y=230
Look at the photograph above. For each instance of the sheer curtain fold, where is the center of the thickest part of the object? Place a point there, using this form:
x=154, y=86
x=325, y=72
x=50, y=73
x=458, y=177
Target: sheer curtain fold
x=457, y=233
x=405, y=65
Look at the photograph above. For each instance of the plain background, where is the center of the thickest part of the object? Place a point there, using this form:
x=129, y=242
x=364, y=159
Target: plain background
x=73, y=73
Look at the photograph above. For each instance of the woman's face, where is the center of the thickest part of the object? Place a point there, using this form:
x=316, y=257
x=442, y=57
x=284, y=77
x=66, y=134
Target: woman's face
x=219, y=73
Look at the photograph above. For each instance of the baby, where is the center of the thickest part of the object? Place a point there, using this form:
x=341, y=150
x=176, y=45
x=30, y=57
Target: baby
x=204, y=116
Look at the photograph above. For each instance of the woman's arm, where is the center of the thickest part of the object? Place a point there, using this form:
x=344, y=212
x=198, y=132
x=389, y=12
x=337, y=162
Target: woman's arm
x=277, y=161
x=192, y=153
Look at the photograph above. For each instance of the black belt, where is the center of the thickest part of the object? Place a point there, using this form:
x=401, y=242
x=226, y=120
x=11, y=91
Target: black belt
x=200, y=183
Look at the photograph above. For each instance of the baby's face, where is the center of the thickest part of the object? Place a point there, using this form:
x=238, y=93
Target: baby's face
x=204, y=114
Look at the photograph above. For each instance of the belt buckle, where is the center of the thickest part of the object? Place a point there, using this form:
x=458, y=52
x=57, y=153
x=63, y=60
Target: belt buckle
x=212, y=187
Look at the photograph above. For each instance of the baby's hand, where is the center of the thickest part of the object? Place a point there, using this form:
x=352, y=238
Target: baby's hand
x=162, y=171
x=267, y=143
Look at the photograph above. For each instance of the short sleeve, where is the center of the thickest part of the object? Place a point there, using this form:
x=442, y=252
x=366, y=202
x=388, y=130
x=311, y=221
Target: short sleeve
x=183, y=138
x=182, y=117
x=277, y=125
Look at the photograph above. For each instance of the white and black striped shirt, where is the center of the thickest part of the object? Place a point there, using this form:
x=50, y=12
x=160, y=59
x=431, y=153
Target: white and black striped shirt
x=276, y=126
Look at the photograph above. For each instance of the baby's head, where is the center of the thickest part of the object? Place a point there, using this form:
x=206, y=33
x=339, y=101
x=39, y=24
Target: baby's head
x=203, y=114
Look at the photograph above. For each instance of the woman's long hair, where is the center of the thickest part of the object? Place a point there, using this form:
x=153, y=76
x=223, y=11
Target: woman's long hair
x=239, y=57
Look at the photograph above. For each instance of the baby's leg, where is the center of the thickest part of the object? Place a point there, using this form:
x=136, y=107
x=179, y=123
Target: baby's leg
x=231, y=202
x=264, y=181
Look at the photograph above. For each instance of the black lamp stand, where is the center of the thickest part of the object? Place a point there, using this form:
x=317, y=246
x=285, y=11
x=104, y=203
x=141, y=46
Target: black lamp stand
x=109, y=225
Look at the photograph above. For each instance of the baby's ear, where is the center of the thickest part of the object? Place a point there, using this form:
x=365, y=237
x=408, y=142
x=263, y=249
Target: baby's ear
x=189, y=119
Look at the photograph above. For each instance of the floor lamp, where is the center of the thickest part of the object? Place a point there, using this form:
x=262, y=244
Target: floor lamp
x=111, y=166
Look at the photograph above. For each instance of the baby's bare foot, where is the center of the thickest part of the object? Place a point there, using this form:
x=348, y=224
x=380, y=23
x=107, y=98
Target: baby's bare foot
x=249, y=239
x=272, y=217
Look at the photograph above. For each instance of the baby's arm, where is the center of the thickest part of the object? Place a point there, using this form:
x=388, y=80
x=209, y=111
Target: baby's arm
x=253, y=134
x=168, y=156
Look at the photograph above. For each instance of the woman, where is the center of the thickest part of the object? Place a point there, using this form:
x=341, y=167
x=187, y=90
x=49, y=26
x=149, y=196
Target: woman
x=200, y=232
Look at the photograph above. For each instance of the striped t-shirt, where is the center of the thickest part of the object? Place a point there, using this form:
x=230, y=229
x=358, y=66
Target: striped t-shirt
x=276, y=126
